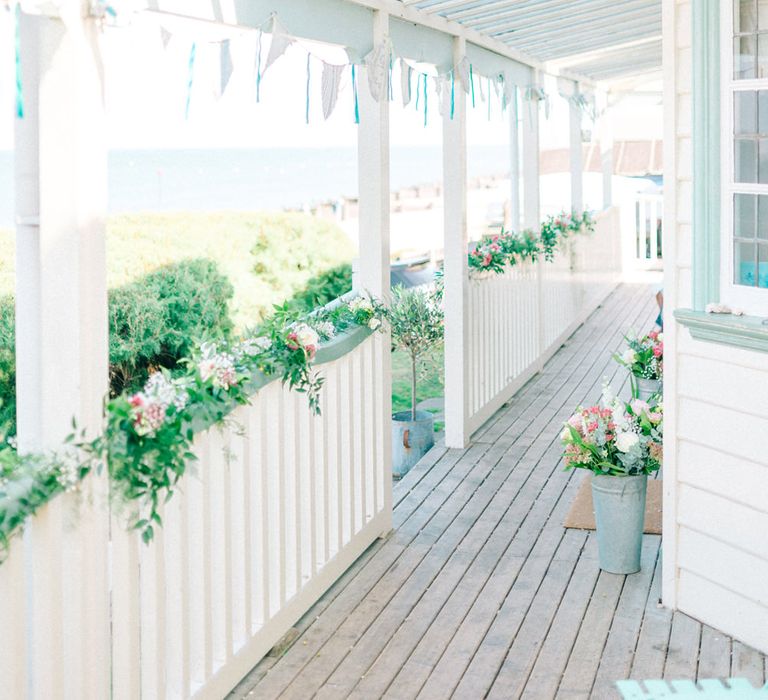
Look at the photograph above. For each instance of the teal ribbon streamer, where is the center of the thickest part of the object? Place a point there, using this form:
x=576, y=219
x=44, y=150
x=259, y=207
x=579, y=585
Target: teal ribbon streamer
x=306, y=112
x=17, y=44
x=453, y=93
x=418, y=91
x=258, y=69
x=354, y=92
x=425, y=100
x=191, y=79
x=472, y=84
x=390, y=95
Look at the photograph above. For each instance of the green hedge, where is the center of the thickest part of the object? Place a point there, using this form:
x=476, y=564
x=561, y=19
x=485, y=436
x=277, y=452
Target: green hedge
x=323, y=288
x=7, y=364
x=153, y=322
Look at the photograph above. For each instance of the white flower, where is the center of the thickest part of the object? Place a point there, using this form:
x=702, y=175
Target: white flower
x=306, y=336
x=626, y=441
x=629, y=356
x=374, y=323
x=660, y=337
x=639, y=406
x=325, y=329
x=566, y=434
x=253, y=346
x=361, y=304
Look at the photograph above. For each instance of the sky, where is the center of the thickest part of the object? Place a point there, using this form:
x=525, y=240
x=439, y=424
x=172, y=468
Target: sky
x=147, y=93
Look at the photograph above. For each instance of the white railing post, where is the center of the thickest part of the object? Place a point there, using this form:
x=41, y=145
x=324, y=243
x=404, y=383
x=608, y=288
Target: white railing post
x=531, y=200
x=576, y=156
x=373, y=267
x=61, y=342
x=606, y=148
x=456, y=275
x=514, y=161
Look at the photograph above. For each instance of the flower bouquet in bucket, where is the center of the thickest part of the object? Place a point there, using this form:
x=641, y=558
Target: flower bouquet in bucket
x=621, y=444
x=644, y=358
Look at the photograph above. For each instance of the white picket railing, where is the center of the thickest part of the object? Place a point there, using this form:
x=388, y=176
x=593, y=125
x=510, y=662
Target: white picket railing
x=644, y=244
x=518, y=319
x=278, y=506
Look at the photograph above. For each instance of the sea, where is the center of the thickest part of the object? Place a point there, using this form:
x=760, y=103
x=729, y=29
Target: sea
x=253, y=179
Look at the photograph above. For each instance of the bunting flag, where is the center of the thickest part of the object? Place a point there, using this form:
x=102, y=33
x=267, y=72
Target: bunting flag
x=309, y=85
x=464, y=70
x=165, y=37
x=482, y=92
x=191, y=77
x=258, y=66
x=509, y=90
x=280, y=43
x=472, y=84
x=330, y=84
x=377, y=68
x=405, y=82
x=17, y=51
x=356, y=97
x=226, y=66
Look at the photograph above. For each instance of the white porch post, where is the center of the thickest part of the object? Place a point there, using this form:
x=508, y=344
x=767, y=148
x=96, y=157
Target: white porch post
x=606, y=149
x=456, y=274
x=514, y=161
x=373, y=237
x=531, y=199
x=61, y=342
x=576, y=155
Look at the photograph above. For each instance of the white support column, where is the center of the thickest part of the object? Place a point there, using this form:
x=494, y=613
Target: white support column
x=606, y=148
x=531, y=199
x=576, y=156
x=61, y=342
x=514, y=161
x=374, y=255
x=456, y=273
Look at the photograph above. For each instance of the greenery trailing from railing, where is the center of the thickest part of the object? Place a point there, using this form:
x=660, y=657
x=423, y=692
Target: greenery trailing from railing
x=495, y=253
x=148, y=435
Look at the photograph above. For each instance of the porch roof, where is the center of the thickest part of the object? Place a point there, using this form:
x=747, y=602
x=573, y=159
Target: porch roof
x=600, y=39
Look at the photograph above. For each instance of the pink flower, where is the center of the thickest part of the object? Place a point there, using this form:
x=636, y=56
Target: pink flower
x=658, y=350
x=293, y=341
x=653, y=335
x=137, y=400
x=486, y=260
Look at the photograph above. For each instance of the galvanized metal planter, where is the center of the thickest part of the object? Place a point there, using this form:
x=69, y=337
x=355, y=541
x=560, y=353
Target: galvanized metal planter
x=647, y=387
x=619, y=503
x=411, y=440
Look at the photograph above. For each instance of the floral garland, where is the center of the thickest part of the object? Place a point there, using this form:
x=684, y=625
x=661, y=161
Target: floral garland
x=148, y=436
x=497, y=252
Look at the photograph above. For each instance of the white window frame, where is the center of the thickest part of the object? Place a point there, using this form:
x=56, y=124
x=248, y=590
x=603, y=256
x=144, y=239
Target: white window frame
x=752, y=300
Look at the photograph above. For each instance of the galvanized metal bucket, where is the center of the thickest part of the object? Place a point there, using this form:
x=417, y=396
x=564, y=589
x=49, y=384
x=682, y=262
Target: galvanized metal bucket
x=411, y=440
x=619, y=503
x=647, y=387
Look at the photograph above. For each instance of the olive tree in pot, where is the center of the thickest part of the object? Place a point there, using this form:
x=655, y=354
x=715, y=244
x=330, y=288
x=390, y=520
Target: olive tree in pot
x=416, y=321
x=621, y=444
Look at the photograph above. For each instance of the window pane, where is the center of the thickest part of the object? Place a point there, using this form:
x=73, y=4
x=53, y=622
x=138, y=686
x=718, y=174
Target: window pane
x=762, y=112
x=745, y=152
x=762, y=267
x=744, y=264
x=744, y=57
x=744, y=16
x=745, y=111
x=744, y=219
x=762, y=14
x=762, y=218
x=762, y=175
x=762, y=56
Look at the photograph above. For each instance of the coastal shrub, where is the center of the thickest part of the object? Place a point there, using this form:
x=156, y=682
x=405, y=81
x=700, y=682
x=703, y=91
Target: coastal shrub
x=323, y=288
x=156, y=321
x=7, y=363
x=153, y=322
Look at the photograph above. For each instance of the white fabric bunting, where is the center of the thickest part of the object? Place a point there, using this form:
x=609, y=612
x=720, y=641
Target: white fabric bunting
x=331, y=82
x=509, y=89
x=405, y=82
x=226, y=64
x=165, y=37
x=462, y=71
x=482, y=89
x=280, y=43
x=377, y=67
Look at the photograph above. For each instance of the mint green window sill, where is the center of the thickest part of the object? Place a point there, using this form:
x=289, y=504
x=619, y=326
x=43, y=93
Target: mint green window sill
x=748, y=332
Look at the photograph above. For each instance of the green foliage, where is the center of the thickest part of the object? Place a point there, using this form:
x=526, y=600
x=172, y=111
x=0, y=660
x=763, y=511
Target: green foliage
x=323, y=288
x=7, y=363
x=416, y=322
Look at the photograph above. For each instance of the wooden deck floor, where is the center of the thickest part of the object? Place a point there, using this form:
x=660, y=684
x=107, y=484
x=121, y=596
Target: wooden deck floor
x=480, y=591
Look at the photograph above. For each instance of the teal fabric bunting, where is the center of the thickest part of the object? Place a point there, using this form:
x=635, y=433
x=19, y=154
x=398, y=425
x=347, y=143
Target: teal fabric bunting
x=191, y=78
x=354, y=92
x=17, y=43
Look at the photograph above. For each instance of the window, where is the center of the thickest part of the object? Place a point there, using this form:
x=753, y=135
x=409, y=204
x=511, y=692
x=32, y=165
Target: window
x=744, y=157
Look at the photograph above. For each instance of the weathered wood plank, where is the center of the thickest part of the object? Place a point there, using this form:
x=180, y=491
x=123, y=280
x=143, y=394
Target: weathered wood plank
x=683, y=652
x=714, y=654
x=748, y=663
